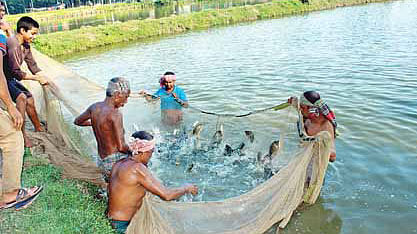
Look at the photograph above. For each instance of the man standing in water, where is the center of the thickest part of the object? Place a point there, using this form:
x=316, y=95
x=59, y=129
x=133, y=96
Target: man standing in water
x=173, y=99
x=131, y=178
x=107, y=123
x=317, y=117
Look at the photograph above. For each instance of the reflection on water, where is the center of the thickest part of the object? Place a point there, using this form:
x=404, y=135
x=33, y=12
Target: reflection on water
x=315, y=219
x=159, y=11
x=361, y=59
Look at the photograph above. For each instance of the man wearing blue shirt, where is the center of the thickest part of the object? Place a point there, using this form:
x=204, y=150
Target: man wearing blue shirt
x=173, y=99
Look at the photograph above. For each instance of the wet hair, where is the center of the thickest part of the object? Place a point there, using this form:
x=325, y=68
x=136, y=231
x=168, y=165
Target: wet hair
x=169, y=73
x=312, y=96
x=26, y=23
x=142, y=135
x=117, y=84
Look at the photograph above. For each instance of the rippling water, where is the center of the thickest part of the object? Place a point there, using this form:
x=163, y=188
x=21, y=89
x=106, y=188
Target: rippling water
x=363, y=62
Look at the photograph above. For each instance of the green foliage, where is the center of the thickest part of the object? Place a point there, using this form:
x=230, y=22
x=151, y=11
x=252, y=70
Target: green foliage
x=60, y=43
x=64, y=206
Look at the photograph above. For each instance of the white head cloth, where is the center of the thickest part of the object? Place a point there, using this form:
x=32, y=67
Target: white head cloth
x=137, y=145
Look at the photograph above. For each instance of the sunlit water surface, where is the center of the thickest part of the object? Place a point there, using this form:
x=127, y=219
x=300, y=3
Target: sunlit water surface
x=361, y=59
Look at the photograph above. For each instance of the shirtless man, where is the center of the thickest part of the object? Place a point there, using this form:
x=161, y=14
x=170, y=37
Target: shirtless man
x=131, y=178
x=317, y=117
x=173, y=99
x=107, y=123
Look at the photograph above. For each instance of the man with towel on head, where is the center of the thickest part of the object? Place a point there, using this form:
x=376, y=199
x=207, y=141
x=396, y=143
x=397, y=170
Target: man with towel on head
x=131, y=178
x=107, y=123
x=173, y=99
x=317, y=117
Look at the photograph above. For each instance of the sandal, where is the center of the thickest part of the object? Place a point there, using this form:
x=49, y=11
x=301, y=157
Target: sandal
x=23, y=197
x=24, y=204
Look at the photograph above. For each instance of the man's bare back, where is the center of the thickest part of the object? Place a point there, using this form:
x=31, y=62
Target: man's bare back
x=106, y=122
x=131, y=179
x=125, y=179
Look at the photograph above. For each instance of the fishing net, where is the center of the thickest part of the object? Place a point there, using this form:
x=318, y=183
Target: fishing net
x=271, y=201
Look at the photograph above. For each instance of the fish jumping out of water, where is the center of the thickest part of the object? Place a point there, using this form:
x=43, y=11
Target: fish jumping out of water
x=218, y=136
x=197, y=129
x=228, y=150
x=196, y=132
x=266, y=161
x=250, y=136
x=190, y=167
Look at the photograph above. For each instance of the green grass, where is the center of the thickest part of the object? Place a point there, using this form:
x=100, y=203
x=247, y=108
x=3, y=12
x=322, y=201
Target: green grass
x=61, y=43
x=64, y=206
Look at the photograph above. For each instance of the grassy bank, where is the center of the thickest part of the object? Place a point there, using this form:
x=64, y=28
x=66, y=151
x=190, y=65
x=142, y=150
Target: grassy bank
x=65, y=206
x=60, y=43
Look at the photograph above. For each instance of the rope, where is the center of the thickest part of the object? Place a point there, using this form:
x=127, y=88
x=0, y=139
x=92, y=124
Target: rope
x=275, y=108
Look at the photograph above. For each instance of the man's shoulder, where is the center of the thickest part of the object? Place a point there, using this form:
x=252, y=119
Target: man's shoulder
x=104, y=110
x=131, y=167
x=179, y=89
x=160, y=90
x=12, y=42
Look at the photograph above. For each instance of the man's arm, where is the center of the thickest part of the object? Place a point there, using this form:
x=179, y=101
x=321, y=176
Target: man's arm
x=14, y=66
x=330, y=129
x=148, y=97
x=84, y=119
x=119, y=133
x=152, y=185
x=181, y=99
x=32, y=65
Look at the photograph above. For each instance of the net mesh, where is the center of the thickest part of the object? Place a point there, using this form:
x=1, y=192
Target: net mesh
x=271, y=202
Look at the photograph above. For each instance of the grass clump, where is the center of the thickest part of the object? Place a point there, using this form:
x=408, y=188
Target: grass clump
x=64, y=206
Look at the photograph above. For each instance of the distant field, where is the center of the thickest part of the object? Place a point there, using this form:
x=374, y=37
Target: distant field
x=79, y=12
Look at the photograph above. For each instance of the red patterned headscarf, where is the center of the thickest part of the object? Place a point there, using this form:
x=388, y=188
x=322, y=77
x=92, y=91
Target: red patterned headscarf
x=167, y=78
x=321, y=106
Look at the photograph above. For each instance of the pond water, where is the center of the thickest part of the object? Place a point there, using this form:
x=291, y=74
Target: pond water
x=361, y=59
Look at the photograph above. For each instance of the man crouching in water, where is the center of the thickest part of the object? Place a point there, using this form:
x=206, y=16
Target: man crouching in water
x=131, y=178
x=317, y=117
x=107, y=123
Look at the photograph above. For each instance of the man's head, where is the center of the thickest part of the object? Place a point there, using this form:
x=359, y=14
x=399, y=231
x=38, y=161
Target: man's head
x=312, y=106
x=28, y=28
x=307, y=101
x=118, y=89
x=2, y=9
x=142, y=145
x=168, y=80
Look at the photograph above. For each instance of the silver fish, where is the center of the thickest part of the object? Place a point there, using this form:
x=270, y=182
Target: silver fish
x=250, y=136
x=228, y=150
x=190, y=167
x=197, y=129
x=273, y=149
x=218, y=135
